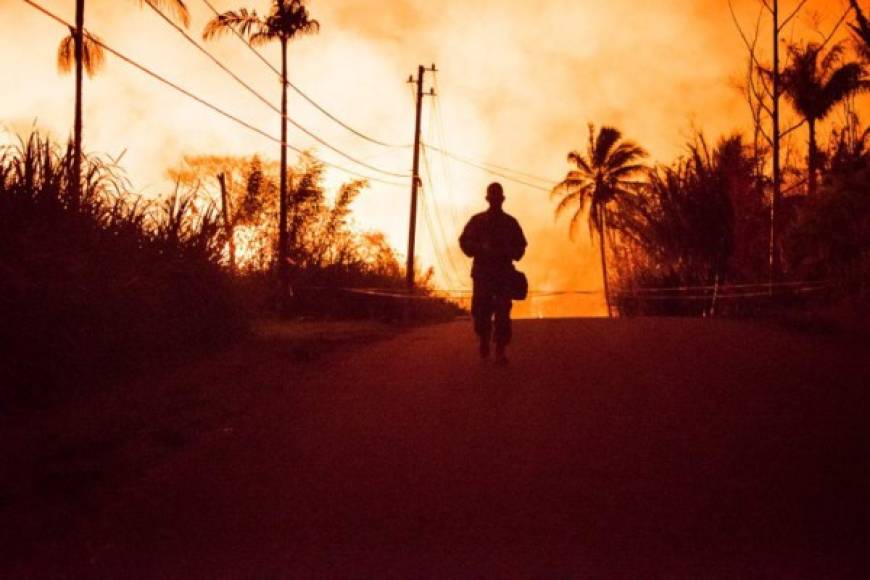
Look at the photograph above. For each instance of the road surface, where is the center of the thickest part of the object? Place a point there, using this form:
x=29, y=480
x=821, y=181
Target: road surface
x=646, y=448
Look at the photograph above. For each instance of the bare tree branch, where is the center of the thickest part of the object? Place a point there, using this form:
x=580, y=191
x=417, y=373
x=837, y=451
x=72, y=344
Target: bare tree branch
x=765, y=85
x=743, y=36
x=793, y=128
x=765, y=89
x=837, y=27
x=791, y=16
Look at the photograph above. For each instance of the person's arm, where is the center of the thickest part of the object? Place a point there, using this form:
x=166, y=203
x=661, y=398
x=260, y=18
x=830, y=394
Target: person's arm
x=519, y=243
x=469, y=241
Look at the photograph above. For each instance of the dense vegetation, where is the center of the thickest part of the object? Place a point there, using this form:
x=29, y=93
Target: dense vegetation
x=107, y=283
x=111, y=282
x=695, y=236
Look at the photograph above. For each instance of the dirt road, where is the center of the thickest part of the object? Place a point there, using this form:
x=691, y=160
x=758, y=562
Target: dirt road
x=626, y=449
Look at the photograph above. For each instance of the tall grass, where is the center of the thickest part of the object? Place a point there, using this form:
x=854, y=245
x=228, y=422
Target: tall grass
x=108, y=285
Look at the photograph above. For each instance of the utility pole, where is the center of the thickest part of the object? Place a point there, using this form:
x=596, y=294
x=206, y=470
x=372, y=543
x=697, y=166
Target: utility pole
x=415, y=173
x=79, y=38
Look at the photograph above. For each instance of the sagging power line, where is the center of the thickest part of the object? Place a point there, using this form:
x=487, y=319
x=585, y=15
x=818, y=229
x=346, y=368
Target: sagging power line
x=491, y=168
x=302, y=94
x=491, y=171
x=156, y=76
x=266, y=101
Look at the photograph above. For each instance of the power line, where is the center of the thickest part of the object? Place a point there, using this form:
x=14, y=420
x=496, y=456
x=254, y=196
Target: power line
x=435, y=209
x=436, y=251
x=200, y=100
x=266, y=101
x=477, y=165
x=444, y=246
x=303, y=95
x=437, y=215
x=441, y=135
x=415, y=94
x=491, y=168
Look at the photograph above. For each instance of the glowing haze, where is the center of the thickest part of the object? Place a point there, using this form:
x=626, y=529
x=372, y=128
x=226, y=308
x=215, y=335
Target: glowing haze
x=518, y=83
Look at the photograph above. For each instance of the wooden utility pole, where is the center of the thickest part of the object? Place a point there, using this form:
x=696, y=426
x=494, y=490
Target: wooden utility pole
x=79, y=39
x=415, y=174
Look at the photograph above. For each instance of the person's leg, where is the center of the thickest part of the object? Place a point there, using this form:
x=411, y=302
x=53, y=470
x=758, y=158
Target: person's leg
x=481, y=312
x=503, y=331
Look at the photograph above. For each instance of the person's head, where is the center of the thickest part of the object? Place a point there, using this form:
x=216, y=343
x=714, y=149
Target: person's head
x=495, y=195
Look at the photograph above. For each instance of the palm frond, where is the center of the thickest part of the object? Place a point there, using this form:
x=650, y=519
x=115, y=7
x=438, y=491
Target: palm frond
x=833, y=57
x=66, y=52
x=574, y=224
x=176, y=7
x=862, y=26
x=93, y=55
x=845, y=81
x=628, y=171
x=574, y=180
x=580, y=161
x=604, y=143
x=569, y=199
x=247, y=23
x=264, y=36
x=625, y=153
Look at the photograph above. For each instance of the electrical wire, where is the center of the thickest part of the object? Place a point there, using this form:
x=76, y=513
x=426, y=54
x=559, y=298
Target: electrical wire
x=305, y=96
x=424, y=194
x=200, y=100
x=481, y=167
x=266, y=101
x=438, y=220
x=486, y=165
x=436, y=251
x=492, y=168
x=441, y=136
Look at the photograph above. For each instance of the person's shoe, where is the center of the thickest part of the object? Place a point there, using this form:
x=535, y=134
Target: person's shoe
x=500, y=358
x=484, y=349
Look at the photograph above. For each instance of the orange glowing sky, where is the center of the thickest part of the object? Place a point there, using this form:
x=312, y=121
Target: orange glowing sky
x=518, y=83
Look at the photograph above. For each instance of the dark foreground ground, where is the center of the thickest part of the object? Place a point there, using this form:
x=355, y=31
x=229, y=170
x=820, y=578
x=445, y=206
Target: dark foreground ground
x=625, y=449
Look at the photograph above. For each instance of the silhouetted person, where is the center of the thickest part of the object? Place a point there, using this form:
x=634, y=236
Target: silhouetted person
x=495, y=240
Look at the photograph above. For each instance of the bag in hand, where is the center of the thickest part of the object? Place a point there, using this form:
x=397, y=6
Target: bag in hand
x=518, y=285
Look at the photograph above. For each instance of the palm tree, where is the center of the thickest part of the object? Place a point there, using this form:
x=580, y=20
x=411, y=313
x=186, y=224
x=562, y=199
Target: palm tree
x=82, y=51
x=861, y=28
x=815, y=83
x=287, y=19
x=602, y=176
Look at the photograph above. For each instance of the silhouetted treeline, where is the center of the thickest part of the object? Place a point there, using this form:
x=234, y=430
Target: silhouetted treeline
x=113, y=283
x=746, y=224
x=703, y=224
